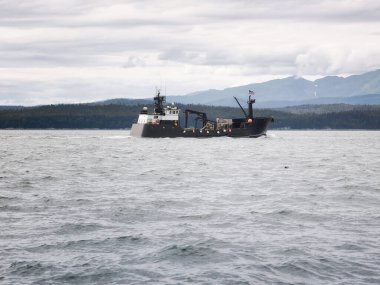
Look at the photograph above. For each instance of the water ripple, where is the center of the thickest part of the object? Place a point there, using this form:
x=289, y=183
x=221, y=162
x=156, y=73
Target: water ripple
x=102, y=207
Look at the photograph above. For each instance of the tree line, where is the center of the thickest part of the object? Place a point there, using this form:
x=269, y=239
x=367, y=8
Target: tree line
x=85, y=116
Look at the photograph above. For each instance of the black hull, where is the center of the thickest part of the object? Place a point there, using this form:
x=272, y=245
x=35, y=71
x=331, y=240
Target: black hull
x=256, y=129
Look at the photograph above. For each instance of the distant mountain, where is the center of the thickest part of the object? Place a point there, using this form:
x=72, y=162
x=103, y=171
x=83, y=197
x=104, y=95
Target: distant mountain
x=355, y=89
x=325, y=109
x=370, y=99
x=4, y=107
x=361, y=89
x=122, y=101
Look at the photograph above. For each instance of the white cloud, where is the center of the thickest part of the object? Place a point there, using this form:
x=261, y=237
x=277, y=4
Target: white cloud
x=191, y=45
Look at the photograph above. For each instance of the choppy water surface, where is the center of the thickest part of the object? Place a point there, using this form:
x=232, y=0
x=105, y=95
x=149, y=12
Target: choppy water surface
x=101, y=207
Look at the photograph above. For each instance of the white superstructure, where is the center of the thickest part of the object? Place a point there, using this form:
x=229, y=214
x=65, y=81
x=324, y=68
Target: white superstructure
x=170, y=113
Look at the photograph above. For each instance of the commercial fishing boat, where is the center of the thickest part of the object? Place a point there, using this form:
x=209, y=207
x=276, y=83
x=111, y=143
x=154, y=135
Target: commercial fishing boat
x=165, y=122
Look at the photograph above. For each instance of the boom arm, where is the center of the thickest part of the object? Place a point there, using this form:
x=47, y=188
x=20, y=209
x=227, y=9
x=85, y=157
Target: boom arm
x=201, y=116
x=241, y=107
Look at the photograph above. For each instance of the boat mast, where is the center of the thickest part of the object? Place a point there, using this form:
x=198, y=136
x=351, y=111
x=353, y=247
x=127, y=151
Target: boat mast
x=250, y=103
x=158, y=103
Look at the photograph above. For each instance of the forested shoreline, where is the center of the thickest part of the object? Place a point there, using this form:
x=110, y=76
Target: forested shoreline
x=85, y=116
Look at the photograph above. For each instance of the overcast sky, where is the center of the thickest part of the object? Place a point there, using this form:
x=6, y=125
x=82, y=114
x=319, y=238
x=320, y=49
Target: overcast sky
x=65, y=51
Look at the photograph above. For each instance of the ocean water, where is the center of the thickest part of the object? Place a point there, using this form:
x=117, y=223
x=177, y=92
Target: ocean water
x=102, y=207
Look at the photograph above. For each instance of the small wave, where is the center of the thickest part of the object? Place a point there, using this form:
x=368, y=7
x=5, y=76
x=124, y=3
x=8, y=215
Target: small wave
x=102, y=276
x=80, y=201
x=70, y=228
x=49, y=177
x=130, y=238
x=110, y=242
x=192, y=253
x=28, y=267
x=270, y=136
x=196, y=217
x=4, y=198
x=187, y=250
x=170, y=203
x=25, y=183
x=301, y=270
x=351, y=247
x=117, y=137
x=8, y=208
x=283, y=212
x=290, y=214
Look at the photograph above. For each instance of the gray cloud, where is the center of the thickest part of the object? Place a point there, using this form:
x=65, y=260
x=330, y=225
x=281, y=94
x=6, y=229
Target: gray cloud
x=298, y=10
x=134, y=61
x=227, y=42
x=218, y=57
x=59, y=13
x=67, y=91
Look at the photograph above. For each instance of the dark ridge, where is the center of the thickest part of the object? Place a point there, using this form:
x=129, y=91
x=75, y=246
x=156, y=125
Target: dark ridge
x=4, y=107
x=85, y=116
x=122, y=101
